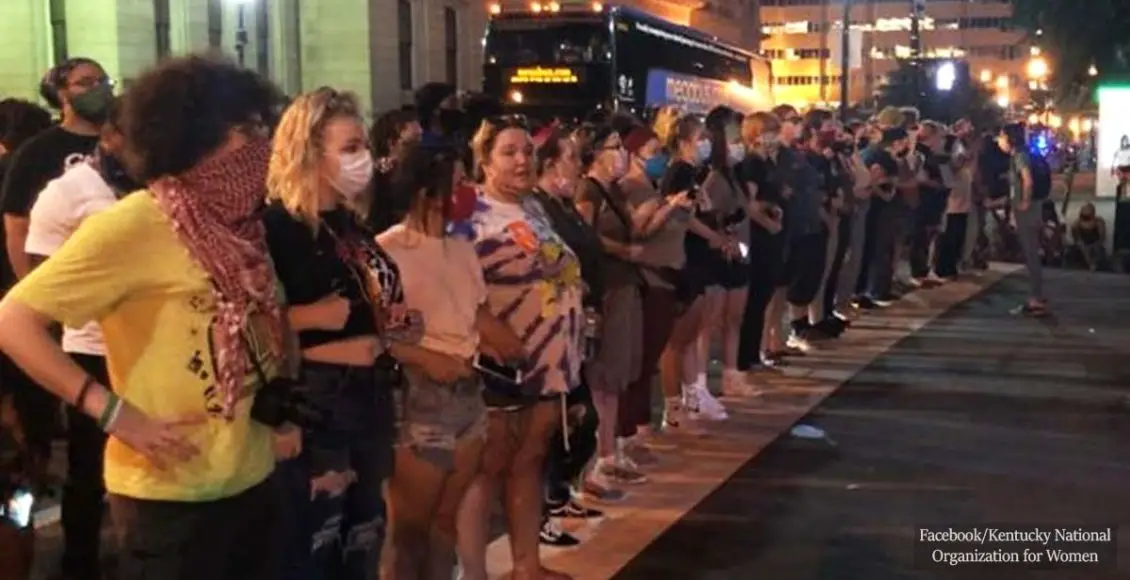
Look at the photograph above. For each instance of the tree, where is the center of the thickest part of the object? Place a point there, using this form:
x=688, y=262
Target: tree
x=1078, y=35
x=965, y=99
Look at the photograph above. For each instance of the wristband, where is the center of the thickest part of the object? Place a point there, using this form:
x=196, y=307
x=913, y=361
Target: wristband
x=83, y=391
x=110, y=411
x=114, y=415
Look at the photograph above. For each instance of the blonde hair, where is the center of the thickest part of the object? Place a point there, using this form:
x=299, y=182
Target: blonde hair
x=757, y=124
x=297, y=149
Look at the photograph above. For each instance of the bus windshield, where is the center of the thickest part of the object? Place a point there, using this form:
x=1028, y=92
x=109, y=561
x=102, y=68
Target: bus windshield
x=544, y=41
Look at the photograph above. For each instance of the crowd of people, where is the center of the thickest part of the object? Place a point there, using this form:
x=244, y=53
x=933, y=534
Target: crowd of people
x=298, y=347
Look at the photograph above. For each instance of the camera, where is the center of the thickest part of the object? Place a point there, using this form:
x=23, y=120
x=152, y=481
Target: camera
x=280, y=401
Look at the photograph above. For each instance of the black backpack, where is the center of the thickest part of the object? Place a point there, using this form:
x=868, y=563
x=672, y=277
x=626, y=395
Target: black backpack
x=1041, y=177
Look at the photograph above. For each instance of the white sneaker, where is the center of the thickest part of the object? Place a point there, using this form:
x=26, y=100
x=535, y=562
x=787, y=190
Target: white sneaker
x=798, y=342
x=700, y=403
x=736, y=384
x=677, y=419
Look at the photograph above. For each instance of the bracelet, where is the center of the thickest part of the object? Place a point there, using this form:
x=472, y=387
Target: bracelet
x=83, y=391
x=110, y=411
x=114, y=416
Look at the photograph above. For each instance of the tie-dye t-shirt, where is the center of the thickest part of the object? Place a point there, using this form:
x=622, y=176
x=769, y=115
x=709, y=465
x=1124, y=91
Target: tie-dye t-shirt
x=534, y=285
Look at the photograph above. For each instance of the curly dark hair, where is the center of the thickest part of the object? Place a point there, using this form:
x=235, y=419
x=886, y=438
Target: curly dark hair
x=385, y=132
x=21, y=120
x=182, y=110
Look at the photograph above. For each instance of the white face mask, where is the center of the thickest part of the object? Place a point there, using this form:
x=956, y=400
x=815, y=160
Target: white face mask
x=736, y=153
x=705, y=148
x=354, y=174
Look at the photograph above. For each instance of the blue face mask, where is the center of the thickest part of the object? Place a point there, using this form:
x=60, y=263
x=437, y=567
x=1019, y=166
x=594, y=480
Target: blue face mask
x=655, y=166
x=704, y=151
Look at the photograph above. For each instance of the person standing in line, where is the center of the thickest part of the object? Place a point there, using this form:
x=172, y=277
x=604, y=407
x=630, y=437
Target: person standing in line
x=951, y=246
x=62, y=206
x=759, y=172
x=80, y=89
x=179, y=277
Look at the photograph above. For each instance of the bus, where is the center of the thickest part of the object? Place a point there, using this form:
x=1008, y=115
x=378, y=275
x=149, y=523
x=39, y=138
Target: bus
x=553, y=60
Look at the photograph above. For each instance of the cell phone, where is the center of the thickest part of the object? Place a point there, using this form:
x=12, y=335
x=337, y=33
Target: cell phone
x=492, y=367
x=743, y=249
x=19, y=508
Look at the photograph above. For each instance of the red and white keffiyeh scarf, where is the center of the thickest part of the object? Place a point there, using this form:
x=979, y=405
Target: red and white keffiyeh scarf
x=213, y=208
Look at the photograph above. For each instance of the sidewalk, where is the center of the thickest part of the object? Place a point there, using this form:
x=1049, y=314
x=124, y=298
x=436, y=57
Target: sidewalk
x=695, y=467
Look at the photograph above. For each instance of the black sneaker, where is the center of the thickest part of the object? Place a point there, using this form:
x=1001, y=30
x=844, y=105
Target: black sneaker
x=553, y=535
x=574, y=510
x=832, y=327
x=864, y=303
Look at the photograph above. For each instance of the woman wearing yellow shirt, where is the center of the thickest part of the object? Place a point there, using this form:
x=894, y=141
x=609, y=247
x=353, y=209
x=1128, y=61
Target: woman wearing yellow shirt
x=179, y=278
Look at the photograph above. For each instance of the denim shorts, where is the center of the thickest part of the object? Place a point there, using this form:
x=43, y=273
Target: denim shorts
x=434, y=416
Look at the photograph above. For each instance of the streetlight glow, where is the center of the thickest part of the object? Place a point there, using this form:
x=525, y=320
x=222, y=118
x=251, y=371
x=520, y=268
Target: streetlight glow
x=986, y=76
x=1037, y=68
x=1002, y=101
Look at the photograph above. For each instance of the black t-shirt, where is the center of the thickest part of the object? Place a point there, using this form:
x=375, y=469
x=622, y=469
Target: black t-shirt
x=680, y=176
x=39, y=160
x=762, y=172
x=887, y=163
x=339, y=260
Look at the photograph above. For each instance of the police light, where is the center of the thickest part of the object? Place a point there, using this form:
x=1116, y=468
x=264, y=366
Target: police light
x=946, y=76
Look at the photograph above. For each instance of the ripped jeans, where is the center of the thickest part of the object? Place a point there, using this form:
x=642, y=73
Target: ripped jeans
x=337, y=534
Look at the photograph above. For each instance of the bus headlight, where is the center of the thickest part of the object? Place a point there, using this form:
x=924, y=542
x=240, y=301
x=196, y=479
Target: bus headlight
x=516, y=97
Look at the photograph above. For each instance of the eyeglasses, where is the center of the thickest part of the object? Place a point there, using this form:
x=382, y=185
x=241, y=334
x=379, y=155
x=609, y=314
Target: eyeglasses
x=90, y=82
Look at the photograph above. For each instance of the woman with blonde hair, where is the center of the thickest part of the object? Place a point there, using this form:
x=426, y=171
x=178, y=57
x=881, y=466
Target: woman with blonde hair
x=346, y=302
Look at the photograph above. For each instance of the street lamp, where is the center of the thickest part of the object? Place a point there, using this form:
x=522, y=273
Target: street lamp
x=1037, y=68
x=241, y=30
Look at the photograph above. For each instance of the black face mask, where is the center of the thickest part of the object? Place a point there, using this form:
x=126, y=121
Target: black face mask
x=450, y=121
x=115, y=174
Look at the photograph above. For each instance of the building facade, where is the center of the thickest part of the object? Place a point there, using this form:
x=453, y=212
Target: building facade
x=803, y=40
x=380, y=49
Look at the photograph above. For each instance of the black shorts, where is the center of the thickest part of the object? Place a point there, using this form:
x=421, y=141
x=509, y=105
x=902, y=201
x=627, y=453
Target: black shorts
x=804, y=267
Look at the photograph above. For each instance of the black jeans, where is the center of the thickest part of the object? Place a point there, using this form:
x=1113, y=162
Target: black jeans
x=235, y=538
x=766, y=260
x=84, y=489
x=885, y=226
x=951, y=245
x=340, y=537
x=563, y=467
